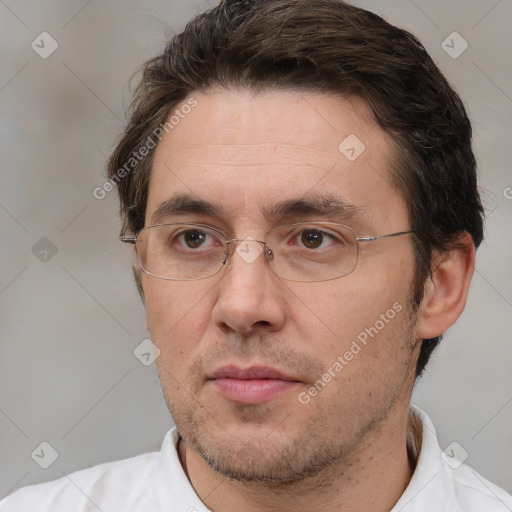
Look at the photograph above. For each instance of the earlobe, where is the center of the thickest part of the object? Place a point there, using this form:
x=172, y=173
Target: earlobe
x=446, y=290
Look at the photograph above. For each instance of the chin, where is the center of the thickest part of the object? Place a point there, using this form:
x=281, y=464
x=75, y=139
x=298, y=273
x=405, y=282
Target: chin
x=263, y=463
x=260, y=451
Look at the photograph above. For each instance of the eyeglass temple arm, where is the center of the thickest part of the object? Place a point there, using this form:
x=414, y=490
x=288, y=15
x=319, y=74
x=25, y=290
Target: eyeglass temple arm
x=128, y=240
x=377, y=237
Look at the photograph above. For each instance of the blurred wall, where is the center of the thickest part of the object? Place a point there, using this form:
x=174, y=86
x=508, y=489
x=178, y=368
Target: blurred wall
x=70, y=314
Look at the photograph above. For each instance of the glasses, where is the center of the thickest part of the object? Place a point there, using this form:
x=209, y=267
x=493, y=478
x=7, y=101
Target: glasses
x=303, y=252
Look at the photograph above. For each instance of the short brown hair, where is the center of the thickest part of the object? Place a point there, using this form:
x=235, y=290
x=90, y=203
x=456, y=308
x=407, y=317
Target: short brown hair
x=333, y=47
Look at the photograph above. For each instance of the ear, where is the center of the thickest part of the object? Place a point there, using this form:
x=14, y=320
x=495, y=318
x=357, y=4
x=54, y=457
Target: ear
x=446, y=290
x=138, y=281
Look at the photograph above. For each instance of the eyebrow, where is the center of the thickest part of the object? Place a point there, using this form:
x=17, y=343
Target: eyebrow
x=321, y=206
x=327, y=206
x=181, y=205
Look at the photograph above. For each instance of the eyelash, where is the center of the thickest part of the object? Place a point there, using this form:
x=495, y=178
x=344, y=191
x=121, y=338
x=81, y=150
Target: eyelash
x=296, y=234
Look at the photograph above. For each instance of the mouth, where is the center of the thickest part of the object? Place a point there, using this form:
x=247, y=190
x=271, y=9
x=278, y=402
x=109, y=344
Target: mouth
x=253, y=385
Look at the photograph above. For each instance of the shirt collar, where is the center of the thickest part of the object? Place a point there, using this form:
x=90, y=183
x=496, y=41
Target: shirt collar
x=427, y=487
x=173, y=488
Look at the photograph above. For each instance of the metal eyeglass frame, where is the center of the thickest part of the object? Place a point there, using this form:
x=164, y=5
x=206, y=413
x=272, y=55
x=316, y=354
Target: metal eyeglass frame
x=268, y=251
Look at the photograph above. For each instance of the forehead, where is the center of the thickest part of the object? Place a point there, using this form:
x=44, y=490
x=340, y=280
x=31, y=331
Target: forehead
x=243, y=150
x=226, y=121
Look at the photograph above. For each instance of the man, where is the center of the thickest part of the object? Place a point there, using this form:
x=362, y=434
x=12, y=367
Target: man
x=298, y=181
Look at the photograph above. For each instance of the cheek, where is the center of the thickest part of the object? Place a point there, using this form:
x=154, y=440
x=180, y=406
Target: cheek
x=340, y=312
x=177, y=315
x=160, y=308
x=359, y=317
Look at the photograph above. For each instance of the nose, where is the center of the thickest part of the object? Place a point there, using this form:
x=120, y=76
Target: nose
x=250, y=295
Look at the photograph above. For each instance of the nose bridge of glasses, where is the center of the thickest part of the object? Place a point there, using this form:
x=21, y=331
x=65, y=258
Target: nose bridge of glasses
x=247, y=248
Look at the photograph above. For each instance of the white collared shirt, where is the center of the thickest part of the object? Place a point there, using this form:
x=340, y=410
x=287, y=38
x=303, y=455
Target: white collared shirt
x=156, y=482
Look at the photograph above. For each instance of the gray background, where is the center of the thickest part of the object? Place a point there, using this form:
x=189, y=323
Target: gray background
x=69, y=325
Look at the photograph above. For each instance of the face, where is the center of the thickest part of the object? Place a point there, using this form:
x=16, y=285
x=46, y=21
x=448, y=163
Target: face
x=268, y=379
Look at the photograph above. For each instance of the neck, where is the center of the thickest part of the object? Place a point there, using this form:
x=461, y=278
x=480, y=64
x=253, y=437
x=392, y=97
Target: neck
x=372, y=477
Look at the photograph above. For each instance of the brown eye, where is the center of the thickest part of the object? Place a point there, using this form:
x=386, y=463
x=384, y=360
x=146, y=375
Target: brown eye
x=194, y=238
x=312, y=239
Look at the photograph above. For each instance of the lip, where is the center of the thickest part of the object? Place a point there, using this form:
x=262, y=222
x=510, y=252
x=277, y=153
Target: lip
x=251, y=372
x=252, y=385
